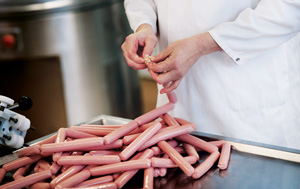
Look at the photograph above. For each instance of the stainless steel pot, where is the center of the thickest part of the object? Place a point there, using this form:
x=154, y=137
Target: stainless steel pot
x=81, y=37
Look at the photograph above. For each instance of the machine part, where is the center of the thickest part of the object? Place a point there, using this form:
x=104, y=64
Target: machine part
x=24, y=103
x=13, y=126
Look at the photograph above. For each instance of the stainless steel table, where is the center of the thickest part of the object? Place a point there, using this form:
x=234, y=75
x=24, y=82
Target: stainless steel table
x=252, y=165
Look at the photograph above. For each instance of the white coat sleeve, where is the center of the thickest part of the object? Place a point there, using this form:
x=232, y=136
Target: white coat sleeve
x=141, y=12
x=270, y=24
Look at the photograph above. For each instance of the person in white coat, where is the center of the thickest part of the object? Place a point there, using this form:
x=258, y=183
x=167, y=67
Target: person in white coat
x=234, y=65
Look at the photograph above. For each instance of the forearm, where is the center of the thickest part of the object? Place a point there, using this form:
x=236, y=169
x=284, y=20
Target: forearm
x=270, y=24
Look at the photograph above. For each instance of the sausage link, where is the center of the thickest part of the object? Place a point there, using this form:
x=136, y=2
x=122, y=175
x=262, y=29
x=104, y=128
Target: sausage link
x=138, y=142
x=148, y=178
x=21, y=162
x=114, y=145
x=197, y=142
x=122, y=131
x=66, y=174
x=96, y=181
x=130, y=138
x=94, y=130
x=167, y=134
x=153, y=114
x=21, y=171
x=206, y=165
x=225, y=155
x=190, y=150
x=74, y=180
x=73, y=133
x=169, y=163
x=122, y=166
x=170, y=120
x=41, y=185
x=88, y=160
x=78, y=144
x=2, y=174
x=29, y=151
x=104, y=152
x=127, y=175
x=28, y=180
x=176, y=157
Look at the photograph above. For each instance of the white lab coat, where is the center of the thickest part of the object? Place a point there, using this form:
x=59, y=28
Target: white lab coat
x=251, y=89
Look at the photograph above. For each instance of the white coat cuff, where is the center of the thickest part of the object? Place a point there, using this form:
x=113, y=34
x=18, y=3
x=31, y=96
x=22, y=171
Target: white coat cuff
x=236, y=57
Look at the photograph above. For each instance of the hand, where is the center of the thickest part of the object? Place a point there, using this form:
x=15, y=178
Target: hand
x=137, y=45
x=169, y=67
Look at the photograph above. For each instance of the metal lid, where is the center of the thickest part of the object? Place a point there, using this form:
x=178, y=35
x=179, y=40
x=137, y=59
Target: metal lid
x=9, y=8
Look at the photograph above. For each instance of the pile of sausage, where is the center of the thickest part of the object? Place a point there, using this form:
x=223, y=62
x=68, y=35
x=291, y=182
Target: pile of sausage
x=108, y=156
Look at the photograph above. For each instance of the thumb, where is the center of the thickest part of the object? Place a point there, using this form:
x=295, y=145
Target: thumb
x=149, y=47
x=161, y=56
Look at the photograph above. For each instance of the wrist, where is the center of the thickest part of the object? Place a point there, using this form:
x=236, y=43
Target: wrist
x=145, y=27
x=206, y=44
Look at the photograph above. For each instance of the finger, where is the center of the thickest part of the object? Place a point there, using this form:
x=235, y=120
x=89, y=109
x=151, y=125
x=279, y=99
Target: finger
x=172, y=87
x=153, y=75
x=167, y=77
x=161, y=56
x=130, y=48
x=163, y=66
x=150, y=44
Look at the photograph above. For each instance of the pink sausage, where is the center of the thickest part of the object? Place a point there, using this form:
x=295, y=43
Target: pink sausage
x=48, y=140
x=148, y=178
x=170, y=133
x=54, y=167
x=94, y=131
x=88, y=160
x=156, y=150
x=21, y=171
x=2, y=174
x=127, y=175
x=116, y=175
x=28, y=180
x=77, y=134
x=69, y=172
x=130, y=138
x=176, y=157
x=104, y=152
x=100, y=126
x=225, y=155
x=61, y=136
x=40, y=185
x=78, y=144
x=122, y=166
x=43, y=164
x=138, y=142
x=21, y=162
x=28, y=151
x=135, y=131
x=122, y=131
x=197, y=142
x=217, y=143
x=114, y=145
x=182, y=121
x=172, y=97
x=162, y=172
x=206, y=165
x=170, y=120
x=98, y=180
x=169, y=163
x=156, y=172
x=190, y=150
x=153, y=114
x=107, y=185
x=74, y=180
